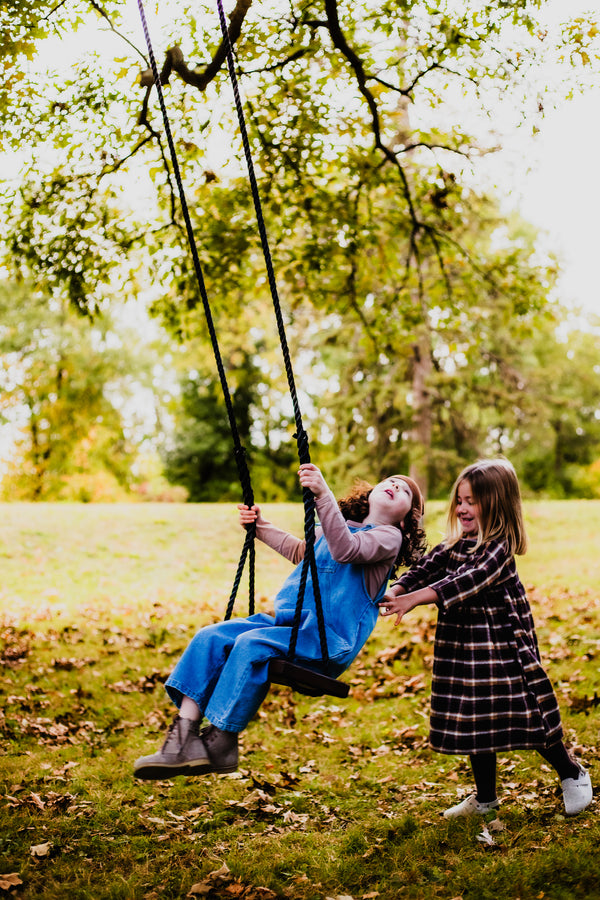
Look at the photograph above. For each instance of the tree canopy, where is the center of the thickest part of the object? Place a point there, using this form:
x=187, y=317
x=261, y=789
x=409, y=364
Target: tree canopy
x=412, y=305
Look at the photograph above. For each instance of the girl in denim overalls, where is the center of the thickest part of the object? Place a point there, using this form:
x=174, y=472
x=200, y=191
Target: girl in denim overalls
x=223, y=673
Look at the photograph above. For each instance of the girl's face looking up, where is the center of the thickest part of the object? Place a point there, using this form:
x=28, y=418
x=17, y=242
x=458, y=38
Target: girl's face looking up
x=391, y=500
x=467, y=511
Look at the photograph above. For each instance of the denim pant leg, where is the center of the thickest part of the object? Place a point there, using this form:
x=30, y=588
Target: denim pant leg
x=202, y=662
x=243, y=682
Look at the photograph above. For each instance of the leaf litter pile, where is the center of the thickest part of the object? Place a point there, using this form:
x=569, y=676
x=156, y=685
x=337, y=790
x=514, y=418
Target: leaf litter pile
x=333, y=799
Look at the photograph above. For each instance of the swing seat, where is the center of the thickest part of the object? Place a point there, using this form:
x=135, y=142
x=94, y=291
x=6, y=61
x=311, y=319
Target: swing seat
x=305, y=681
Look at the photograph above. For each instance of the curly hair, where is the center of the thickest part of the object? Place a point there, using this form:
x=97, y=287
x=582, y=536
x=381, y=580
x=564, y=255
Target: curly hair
x=355, y=507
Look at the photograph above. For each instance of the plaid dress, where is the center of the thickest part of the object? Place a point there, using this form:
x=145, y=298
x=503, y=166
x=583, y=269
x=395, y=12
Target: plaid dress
x=489, y=690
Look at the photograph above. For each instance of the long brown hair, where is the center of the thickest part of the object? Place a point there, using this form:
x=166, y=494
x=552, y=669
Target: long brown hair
x=355, y=507
x=495, y=489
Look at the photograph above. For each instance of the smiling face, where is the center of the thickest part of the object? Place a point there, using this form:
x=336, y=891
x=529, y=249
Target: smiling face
x=390, y=501
x=467, y=511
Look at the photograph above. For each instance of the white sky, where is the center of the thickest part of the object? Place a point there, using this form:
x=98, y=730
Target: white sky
x=553, y=178
x=559, y=191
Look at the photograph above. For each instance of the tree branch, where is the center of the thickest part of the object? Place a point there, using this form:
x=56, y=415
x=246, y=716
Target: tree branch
x=104, y=15
x=175, y=62
x=339, y=41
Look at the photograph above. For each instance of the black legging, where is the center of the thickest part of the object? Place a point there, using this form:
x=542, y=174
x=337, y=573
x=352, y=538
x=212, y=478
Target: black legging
x=484, y=769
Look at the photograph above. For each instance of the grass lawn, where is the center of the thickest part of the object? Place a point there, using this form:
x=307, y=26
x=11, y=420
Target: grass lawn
x=333, y=799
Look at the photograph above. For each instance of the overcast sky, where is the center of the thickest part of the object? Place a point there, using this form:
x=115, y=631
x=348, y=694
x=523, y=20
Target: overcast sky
x=559, y=191
x=553, y=178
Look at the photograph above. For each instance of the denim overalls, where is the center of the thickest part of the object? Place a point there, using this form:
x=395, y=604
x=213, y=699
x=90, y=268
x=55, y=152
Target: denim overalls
x=224, y=669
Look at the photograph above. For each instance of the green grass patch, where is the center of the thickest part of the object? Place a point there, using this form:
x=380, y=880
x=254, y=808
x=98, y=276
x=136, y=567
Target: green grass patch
x=333, y=798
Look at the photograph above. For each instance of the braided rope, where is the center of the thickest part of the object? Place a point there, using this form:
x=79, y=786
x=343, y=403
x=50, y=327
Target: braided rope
x=300, y=435
x=239, y=451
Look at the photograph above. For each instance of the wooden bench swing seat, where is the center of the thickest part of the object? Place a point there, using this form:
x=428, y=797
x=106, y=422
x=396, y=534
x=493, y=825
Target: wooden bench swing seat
x=305, y=681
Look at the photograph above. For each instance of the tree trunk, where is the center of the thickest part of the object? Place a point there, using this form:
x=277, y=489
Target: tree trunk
x=421, y=432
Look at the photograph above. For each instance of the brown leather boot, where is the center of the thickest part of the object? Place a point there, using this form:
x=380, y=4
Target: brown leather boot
x=183, y=753
x=222, y=749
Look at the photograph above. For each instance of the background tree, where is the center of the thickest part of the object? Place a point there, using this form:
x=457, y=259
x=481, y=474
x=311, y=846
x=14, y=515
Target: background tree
x=200, y=454
x=59, y=378
x=558, y=444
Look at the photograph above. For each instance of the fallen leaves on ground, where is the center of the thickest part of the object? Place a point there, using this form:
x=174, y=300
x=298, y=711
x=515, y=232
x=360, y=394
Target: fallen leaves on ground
x=16, y=646
x=10, y=881
x=486, y=836
x=221, y=883
x=41, y=851
x=51, y=802
x=49, y=731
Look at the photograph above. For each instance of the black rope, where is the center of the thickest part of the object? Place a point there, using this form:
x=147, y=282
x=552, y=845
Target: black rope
x=300, y=435
x=239, y=451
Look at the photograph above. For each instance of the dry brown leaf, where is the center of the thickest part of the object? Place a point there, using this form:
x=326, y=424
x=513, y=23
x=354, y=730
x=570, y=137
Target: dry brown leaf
x=57, y=773
x=37, y=800
x=486, y=838
x=202, y=888
x=10, y=881
x=199, y=890
x=295, y=818
x=40, y=851
x=220, y=874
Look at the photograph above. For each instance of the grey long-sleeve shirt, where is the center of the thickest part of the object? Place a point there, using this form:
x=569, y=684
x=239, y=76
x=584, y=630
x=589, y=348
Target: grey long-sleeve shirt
x=374, y=548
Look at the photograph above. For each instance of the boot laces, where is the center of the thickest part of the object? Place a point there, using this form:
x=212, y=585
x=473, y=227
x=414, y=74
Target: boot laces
x=174, y=732
x=174, y=726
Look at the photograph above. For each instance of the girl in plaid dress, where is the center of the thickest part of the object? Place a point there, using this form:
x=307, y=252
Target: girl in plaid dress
x=489, y=690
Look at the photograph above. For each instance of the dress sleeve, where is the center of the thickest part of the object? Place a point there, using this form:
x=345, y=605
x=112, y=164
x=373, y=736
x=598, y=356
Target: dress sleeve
x=429, y=568
x=485, y=568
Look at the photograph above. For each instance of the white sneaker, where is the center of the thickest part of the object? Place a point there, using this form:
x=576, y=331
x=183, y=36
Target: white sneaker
x=577, y=792
x=470, y=806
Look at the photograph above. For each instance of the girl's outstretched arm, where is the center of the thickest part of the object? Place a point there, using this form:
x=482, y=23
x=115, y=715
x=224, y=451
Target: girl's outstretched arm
x=400, y=604
x=428, y=569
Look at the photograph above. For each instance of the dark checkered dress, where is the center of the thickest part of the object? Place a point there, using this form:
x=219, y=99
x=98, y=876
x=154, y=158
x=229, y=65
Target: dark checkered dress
x=489, y=691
